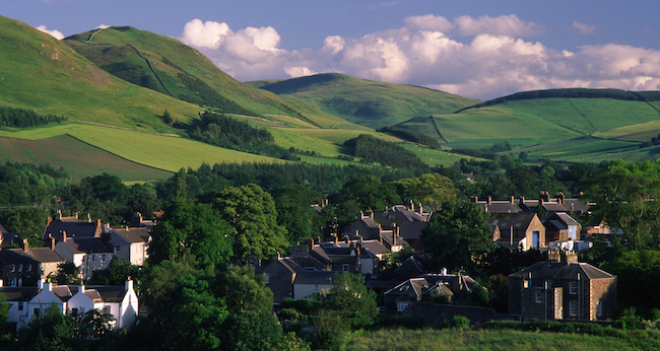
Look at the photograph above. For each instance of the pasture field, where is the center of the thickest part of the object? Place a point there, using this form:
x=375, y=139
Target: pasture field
x=638, y=132
x=339, y=136
x=79, y=159
x=291, y=137
x=487, y=340
x=162, y=152
x=608, y=114
x=432, y=157
x=588, y=149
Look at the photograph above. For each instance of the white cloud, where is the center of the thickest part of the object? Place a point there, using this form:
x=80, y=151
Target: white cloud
x=425, y=51
x=55, y=33
x=582, y=28
x=428, y=23
x=102, y=26
x=509, y=25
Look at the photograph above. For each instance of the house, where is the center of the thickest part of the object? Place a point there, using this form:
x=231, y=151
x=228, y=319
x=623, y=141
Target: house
x=72, y=227
x=429, y=287
x=391, y=225
x=558, y=204
x=491, y=206
x=562, y=232
x=27, y=302
x=280, y=275
x=21, y=265
x=87, y=253
x=523, y=230
x=562, y=289
x=309, y=283
x=130, y=243
x=4, y=234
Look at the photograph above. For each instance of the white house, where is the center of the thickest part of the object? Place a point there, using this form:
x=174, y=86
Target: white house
x=88, y=254
x=130, y=244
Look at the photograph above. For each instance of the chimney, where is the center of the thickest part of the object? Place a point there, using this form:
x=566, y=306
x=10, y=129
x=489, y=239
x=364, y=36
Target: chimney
x=2, y=285
x=512, y=200
x=489, y=200
x=276, y=256
x=26, y=245
x=82, y=288
x=40, y=284
x=318, y=239
x=420, y=209
x=58, y=216
x=75, y=215
x=48, y=221
x=561, y=198
x=360, y=215
x=347, y=240
x=136, y=220
x=89, y=217
x=544, y=195
x=98, y=223
x=310, y=243
x=52, y=243
x=474, y=199
x=48, y=286
x=554, y=256
x=63, y=233
x=522, y=200
x=541, y=201
x=443, y=271
x=336, y=239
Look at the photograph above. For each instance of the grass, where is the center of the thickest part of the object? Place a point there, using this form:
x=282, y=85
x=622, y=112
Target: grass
x=432, y=157
x=368, y=103
x=339, y=136
x=486, y=340
x=79, y=159
x=161, y=152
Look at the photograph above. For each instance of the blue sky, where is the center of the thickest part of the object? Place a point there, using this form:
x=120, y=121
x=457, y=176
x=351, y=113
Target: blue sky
x=481, y=49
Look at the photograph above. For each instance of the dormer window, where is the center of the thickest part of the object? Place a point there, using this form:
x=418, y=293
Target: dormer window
x=20, y=267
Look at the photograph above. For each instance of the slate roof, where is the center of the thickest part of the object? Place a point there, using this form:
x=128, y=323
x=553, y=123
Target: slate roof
x=17, y=256
x=315, y=277
x=73, y=229
x=105, y=293
x=88, y=245
x=23, y=293
x=519, y=221
x=561, y=270
x=134, y=234
x=45, y=255
x=500, y=207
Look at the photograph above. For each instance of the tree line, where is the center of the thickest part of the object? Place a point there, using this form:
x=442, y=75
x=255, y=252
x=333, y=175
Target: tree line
x=24, y=118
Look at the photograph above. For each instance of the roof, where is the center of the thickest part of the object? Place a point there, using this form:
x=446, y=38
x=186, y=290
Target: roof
x=97, y=293
x=500, y=207
x=45, y=255
x=519, y=221
x=414, y=286
x=3, y=230
x=375, y=247
x=315, y=277
x=74, y=229
x=16, y=256
x=410, y=265
x=88, y=245
x=23, y=293
x=133, y=234
x=561, y=270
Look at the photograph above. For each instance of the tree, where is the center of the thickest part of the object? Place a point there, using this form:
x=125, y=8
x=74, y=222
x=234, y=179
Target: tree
x=457, y=235
x=294, y=211
x=352, y=301
x=430, y=189
x=96, y=323
x=251, y=211
x=627, y=197
x=370, y=191
x=52, y=330
x=117, y=273
x=67, y=274
x=195, y=230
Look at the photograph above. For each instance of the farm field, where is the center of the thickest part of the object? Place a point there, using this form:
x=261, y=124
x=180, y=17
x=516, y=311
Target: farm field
x=161, y=152
x=486, y=340
x=432, y=157
x=79, y=159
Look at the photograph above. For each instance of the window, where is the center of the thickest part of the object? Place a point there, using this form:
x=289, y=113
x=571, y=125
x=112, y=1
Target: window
x=20, y=305
x=572, y=308
x=13, y=268
x=20, y=267
x=345, y=268
x=572, y=288
x=74, y=312
x=29, y=268
x=106, y=309
x=538, y=297
x=36, y=312
x=599, y=309
x=93, y=258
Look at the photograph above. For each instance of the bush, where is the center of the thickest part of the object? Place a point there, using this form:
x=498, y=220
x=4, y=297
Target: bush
x=460, y=322
x=394, y=321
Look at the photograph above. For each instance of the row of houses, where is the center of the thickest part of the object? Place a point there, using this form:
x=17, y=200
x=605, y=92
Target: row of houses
x=90, y=245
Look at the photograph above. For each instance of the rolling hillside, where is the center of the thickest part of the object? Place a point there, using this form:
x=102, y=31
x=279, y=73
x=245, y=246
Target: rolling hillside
x=365, y=102
x=41, y=73
x=168, y=66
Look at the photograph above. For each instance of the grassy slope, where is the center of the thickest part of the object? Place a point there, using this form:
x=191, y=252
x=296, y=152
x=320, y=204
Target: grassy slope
x=41, y=73
x=78, y=158
x=161, y=152
x=108, y=48
x=365, y=102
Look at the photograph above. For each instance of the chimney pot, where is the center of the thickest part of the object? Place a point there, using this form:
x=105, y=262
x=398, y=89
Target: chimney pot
x=489, y=199
x=26, y=245
x=512, y=200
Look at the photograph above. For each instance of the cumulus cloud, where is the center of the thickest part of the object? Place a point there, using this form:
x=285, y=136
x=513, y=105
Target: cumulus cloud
x=509, y=25
x=431, y=51
x=102, y=26
x=582, y=28
x=55, y=33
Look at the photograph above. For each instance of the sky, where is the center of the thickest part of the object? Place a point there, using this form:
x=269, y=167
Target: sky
x=479, y=48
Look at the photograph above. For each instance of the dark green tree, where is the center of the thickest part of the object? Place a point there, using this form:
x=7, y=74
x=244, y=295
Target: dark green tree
x=52, y=330
x=352, y=301
x=457, y=235
x=195, y=230
x=294, y=211
x=251, y=211
x=67, y=274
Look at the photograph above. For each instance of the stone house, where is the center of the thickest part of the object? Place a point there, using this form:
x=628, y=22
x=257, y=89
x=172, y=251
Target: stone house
x=26, y=263
x=562, y=289
x=523, y=230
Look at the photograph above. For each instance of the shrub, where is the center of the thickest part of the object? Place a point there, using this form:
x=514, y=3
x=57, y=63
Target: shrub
x=460, y=322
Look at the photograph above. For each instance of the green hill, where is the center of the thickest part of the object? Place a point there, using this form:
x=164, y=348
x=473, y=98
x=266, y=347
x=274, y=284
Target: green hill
x=365, y=102
x=41, y=73
x=168, y=66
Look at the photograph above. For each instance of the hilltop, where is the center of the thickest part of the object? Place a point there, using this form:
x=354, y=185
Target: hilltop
x=366, y=102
